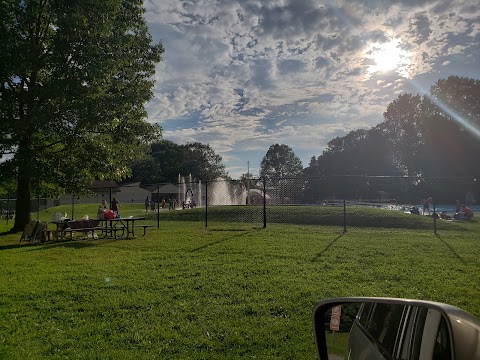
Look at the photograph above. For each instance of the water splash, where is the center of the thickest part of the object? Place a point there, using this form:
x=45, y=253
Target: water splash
x=223, y=192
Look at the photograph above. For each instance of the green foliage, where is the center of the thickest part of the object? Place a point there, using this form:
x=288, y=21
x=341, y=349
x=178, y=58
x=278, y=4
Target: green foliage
x=202, y=161
x=402, y=128
x=435, y=135
x=280, y=161
x=73, y=84
x=167, y=160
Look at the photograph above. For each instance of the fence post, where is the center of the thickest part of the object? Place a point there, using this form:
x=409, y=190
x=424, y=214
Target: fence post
x=206, y=203
x=158, y=206
x=264, y=202
x=344, y=216
x=434, y=218
x=73, y=205
x=8, y=206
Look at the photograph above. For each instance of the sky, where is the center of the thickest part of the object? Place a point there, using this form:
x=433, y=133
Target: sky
x=242, y=75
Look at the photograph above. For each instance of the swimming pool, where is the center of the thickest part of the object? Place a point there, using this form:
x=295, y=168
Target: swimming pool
x=450, y=209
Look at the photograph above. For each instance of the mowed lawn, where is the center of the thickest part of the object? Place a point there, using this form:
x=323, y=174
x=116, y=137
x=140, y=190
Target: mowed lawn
x=224, y=292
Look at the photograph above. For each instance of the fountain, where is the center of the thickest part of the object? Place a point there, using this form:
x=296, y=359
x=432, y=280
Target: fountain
x=189, y=192
x=220, y=192
x=223, y=192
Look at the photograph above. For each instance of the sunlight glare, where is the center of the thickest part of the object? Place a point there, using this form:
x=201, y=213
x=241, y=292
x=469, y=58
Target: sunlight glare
x=387, y=57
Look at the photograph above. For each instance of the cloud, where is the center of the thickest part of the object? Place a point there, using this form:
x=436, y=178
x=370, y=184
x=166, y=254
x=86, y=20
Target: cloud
x=419, y=28
x=242, y=75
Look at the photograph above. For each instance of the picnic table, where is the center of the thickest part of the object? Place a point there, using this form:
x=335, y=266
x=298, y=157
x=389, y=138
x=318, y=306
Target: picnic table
x=108, y=227
x=127, y=224
x=71, y=226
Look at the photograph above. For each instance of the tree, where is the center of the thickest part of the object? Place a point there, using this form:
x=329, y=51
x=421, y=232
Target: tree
x=74, y=80
x=280, y=161
x=202, y=161
x=451, y=127
x=167, y=160
x=402, y=125
x=165, y=163
x=422, y=137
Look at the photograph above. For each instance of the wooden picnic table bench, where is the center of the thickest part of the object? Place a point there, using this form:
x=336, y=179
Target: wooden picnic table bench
x=84, y=226
x=144, y=228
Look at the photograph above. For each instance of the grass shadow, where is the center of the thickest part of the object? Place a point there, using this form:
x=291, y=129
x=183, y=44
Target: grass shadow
x=72, y=244
x=451, y=249
x=245, y=232
x=326, y=248
x=20, y=244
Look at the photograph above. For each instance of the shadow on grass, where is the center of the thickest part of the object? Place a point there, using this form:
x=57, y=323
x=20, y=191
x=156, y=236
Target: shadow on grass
x=244, y=232
x=451, y=249
x=72, y=244
x=34, y=246
x=326, y=248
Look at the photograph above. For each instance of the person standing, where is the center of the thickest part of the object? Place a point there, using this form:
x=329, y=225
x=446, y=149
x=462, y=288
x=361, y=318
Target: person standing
x=115, y=204
x=426, y=205
x=147, y=203
x=101, y=210
x=114, y=207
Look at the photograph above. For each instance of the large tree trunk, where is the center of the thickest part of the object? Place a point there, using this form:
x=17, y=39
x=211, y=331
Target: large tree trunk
x=23, y=205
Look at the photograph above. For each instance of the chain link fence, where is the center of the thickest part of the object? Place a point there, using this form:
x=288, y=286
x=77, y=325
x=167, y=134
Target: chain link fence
x=340, y=202
x=234, y=201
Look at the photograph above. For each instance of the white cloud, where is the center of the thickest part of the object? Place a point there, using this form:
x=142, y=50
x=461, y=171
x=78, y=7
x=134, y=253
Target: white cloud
x=242, y=75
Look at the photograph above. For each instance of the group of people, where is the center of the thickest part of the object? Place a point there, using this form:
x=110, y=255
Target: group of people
x=462, y=212
x=151, y=205
x=105, y=213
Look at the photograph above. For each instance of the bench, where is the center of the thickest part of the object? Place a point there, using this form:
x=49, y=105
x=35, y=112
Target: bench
x=144, y=228
x=84, y=230
x=85, y=226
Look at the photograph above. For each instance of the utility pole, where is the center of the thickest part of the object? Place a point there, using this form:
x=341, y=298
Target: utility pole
x=248, y=183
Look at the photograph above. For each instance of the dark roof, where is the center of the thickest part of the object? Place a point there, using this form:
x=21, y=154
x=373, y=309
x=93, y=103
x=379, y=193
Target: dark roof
x=167, y=189
x=103, y=186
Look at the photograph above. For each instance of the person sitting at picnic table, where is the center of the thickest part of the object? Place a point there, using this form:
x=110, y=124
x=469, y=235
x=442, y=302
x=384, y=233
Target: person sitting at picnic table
x=115, y=204
x=101, y=210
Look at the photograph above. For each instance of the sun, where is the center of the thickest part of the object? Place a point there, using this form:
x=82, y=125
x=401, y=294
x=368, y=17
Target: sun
x=385, y=57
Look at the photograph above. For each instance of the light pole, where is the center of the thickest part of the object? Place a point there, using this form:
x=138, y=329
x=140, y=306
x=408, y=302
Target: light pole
x=248, y=183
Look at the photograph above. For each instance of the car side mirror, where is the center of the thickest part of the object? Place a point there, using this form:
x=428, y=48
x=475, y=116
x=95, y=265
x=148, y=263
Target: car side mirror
x=364, y=328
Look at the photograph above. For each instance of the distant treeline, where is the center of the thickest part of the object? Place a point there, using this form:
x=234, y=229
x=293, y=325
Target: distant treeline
x=432, y=140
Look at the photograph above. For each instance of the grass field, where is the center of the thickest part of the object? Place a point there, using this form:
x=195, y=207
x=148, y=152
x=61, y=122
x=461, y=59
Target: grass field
x=227, y=291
